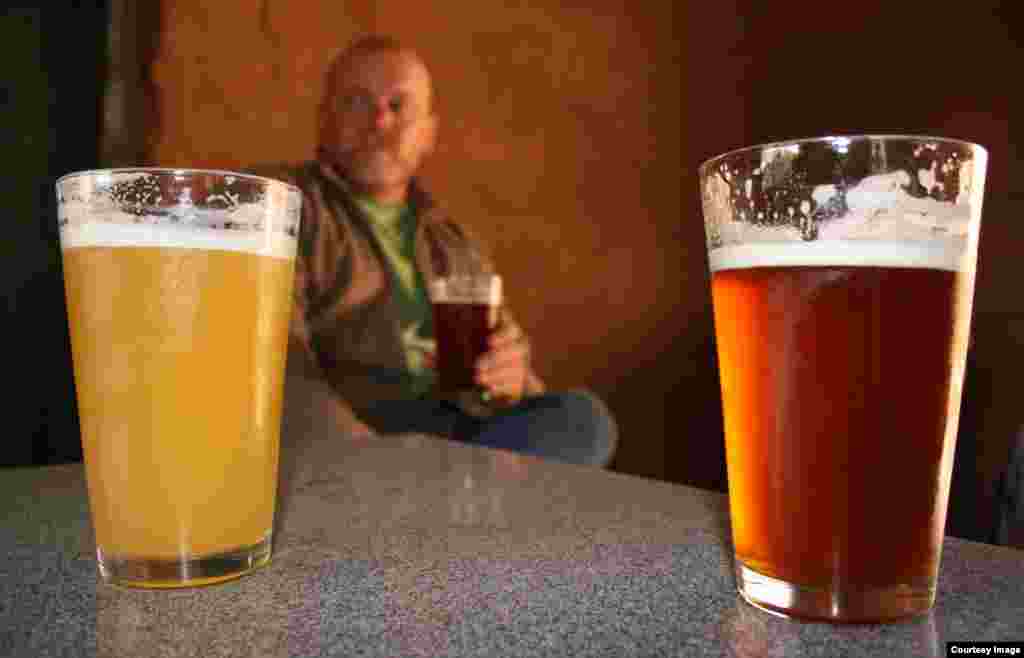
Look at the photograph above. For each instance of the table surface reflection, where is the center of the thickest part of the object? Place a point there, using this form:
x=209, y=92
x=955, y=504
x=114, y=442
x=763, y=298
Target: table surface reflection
x=415, y=546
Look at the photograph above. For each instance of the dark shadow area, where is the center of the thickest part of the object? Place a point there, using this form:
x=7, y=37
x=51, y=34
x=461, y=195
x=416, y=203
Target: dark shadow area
x=56, y=65
x=699, y=451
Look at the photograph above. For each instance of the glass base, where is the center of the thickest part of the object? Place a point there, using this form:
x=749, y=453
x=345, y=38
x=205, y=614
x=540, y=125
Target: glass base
x=161, y=574
x=844, y=605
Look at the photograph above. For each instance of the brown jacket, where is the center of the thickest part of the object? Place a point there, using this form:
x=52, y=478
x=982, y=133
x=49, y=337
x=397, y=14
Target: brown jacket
x=345, y=327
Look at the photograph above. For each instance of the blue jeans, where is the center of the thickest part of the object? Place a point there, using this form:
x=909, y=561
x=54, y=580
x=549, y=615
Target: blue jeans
x=574, y=427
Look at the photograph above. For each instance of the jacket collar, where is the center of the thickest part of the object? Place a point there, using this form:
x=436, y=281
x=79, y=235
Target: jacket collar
x=419, y=198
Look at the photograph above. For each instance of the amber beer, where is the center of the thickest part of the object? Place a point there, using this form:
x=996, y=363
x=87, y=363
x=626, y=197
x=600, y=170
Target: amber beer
x=465, y=313
x=840, y=388
x=179, y=340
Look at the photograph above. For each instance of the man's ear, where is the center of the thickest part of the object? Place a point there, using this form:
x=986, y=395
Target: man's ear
x=321, y=118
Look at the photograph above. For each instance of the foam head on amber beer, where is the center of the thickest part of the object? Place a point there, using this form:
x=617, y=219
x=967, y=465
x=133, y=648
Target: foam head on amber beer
x=921, y=211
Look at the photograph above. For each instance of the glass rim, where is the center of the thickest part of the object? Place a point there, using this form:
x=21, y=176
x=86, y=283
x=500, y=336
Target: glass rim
x=858, y=137
x=174, y=171
x=476, y=276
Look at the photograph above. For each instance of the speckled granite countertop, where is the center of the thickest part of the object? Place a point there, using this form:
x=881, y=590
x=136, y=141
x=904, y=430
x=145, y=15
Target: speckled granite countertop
x=411, y=546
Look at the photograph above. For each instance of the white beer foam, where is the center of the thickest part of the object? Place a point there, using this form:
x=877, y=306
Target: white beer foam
x=464, y=290
x=879, y=204
x=878, y=208
x=947, y=255
x=125, y=230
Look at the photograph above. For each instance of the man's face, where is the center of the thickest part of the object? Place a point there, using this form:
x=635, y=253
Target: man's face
x=378, y=123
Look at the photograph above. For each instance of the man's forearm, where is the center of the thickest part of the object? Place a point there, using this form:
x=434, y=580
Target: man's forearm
x=312, y=407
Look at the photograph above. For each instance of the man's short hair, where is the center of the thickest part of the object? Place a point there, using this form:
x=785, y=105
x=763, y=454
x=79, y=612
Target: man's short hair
x=364, y=46
x=370, y=44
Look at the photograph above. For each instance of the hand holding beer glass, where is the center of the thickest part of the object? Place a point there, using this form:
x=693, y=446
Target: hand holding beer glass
x=467, y=310
x=179, y=289
x=842, y=276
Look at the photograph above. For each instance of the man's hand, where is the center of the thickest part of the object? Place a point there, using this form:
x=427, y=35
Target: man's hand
x=361, y=432
x=504, y=368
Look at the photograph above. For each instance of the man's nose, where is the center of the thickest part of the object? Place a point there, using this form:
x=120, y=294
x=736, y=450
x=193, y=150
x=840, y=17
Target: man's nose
x=382, y=116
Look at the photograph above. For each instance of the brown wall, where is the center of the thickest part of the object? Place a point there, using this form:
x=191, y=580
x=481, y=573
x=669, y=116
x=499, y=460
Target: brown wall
x=565, y=142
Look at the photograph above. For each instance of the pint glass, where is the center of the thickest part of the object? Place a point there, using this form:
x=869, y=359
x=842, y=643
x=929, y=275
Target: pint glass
x=842, y=275
x=179, y=289
x=466, y=311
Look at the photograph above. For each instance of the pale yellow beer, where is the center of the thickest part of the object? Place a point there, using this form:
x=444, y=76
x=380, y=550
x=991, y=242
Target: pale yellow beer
x=179, y=356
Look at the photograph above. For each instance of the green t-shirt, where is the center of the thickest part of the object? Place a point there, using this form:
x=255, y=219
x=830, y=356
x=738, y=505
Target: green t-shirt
x=395, y=228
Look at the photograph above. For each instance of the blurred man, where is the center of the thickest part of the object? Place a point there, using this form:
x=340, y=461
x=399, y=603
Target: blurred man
x=362, y=350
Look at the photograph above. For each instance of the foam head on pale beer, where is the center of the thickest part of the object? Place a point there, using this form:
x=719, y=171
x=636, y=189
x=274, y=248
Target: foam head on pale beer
x=145, y=209
x=842, y=277
x=179, y=289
